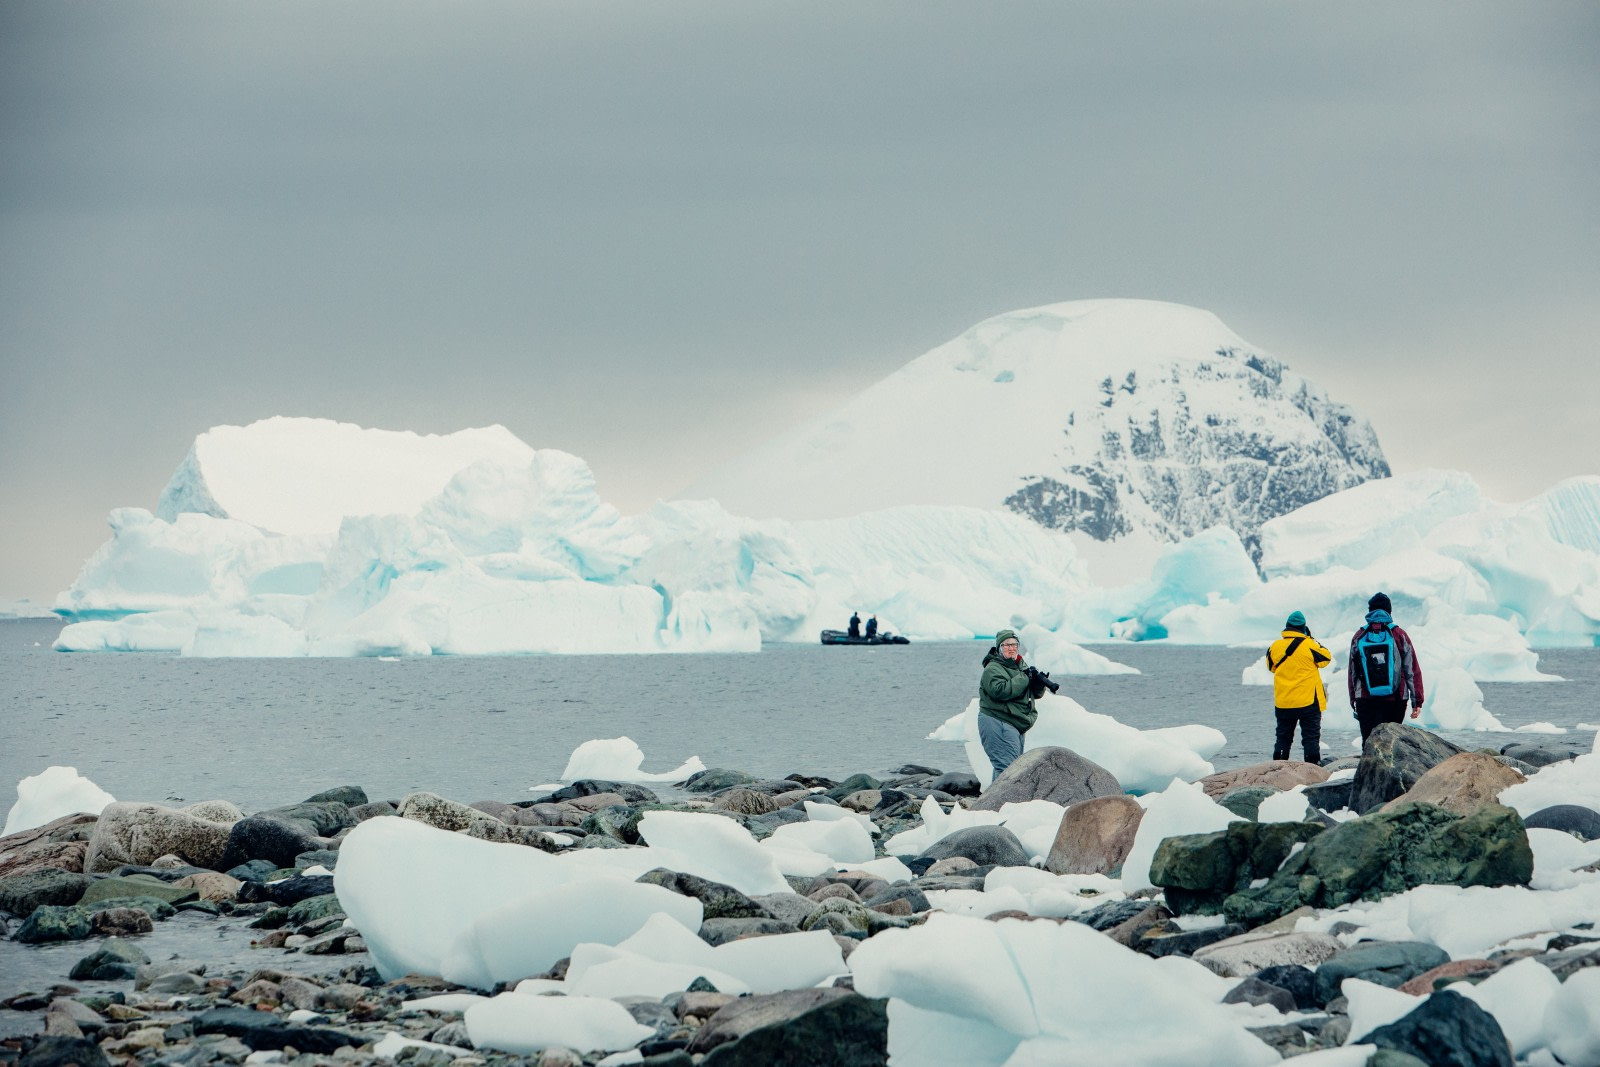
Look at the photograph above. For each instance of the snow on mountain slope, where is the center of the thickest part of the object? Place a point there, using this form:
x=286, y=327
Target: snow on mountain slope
x=302, y=476
x=1105, y=416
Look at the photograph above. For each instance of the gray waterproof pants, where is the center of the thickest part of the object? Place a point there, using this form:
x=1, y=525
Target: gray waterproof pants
x=1002, y=742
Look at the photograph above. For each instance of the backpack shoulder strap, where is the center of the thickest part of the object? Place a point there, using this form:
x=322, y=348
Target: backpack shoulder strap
x=1286, y=653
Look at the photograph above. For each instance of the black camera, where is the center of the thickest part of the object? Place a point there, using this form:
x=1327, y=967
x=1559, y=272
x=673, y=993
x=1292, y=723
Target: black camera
x=1041, y=681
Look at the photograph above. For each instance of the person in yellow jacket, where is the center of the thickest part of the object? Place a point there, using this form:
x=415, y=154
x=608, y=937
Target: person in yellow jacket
x=1296, y=661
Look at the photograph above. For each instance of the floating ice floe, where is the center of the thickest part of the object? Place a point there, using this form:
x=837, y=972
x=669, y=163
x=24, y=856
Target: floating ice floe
x=50, y=794
x=619, y=759
x=1142, y=760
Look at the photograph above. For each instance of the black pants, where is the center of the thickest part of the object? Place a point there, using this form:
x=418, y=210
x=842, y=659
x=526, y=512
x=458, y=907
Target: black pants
x=1310, y=720
x=1370, y=711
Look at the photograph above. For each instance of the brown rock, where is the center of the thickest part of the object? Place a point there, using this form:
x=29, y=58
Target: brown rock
x=703, y=1005
x=833, y=890
x=151, y=1037
x=60, y=1024
x=64, y=856
x=1128, y=931
x=1462, y=784
x=1422, y=984
x=952, y=865
x=898, y=906
x=55, y=830
x=1095, y=836
x=744, y=802
x=212, y=886
x=863, y=800
x=794, y=796
x=120, y=922
x=499, y=809
x=1282, y=774
x=141, y=833
x=301, y=993
x=548, y=815
x=260, y=991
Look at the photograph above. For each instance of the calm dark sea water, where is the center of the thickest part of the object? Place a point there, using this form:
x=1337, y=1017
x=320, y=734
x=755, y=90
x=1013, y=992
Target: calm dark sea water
x=267, y=732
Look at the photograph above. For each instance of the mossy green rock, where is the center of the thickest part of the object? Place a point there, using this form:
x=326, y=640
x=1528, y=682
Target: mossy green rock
x=1200, y=871
x=136, y=885
x=50, y=922
x=313, y=908
x=1390, y=852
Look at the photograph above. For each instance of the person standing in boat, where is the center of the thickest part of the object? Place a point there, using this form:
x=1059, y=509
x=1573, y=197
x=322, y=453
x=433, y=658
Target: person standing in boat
x=855, y=624
x=1005, y=701
x=872, y=628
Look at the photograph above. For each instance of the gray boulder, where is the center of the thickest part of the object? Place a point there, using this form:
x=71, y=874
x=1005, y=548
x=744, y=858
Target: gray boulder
x=1051, y=773
x=1541, y=753
x=1446, y=1030
x=143, y=833
x=1575, y=819
x=1385, y=963
x=1392, y=761
x=796, y=1028
x=719, y=901
x=114, y=961
x=268, y=837
x=984, y=845
x=721, y=931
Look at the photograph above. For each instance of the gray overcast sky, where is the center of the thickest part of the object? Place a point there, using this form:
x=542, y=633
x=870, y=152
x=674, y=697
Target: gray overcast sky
x=653, y=233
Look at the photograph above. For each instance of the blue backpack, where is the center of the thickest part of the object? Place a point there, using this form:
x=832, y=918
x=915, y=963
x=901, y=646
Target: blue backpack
x=1380, y=662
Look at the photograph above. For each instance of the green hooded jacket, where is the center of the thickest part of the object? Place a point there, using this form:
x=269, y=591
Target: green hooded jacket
x=1004, y=689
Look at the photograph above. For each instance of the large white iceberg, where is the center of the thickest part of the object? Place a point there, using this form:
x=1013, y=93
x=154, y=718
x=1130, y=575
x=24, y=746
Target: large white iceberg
x=475, y=543
x=488, y=546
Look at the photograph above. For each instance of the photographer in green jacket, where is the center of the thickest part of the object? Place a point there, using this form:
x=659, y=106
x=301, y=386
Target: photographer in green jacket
x=1005, y=700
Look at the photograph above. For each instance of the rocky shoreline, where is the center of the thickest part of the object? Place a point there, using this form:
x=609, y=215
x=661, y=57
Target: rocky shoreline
x=1256, y=902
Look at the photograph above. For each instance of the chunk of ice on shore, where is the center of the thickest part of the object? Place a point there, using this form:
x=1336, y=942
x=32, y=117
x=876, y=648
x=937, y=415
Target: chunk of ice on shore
x=1517, y=996
x=430, y=901
x=715, y=847
x=1182, y=808
x=523, y=1024
x=50, y=794
x=1012, y=981
x=619, y=759
x=1467, y=922
x=1575, y=781
x=1572, y=1019
x=1373, y=1005
x=841, y=840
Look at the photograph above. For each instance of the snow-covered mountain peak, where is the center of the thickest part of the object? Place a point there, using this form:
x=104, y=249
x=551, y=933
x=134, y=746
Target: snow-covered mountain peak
x=1106, y=416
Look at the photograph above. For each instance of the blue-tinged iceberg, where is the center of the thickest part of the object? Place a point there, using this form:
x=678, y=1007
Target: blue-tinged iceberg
x=514, y=551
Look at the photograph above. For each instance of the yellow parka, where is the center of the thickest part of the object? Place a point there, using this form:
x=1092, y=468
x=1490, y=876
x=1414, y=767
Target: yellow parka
x=1297, y=680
